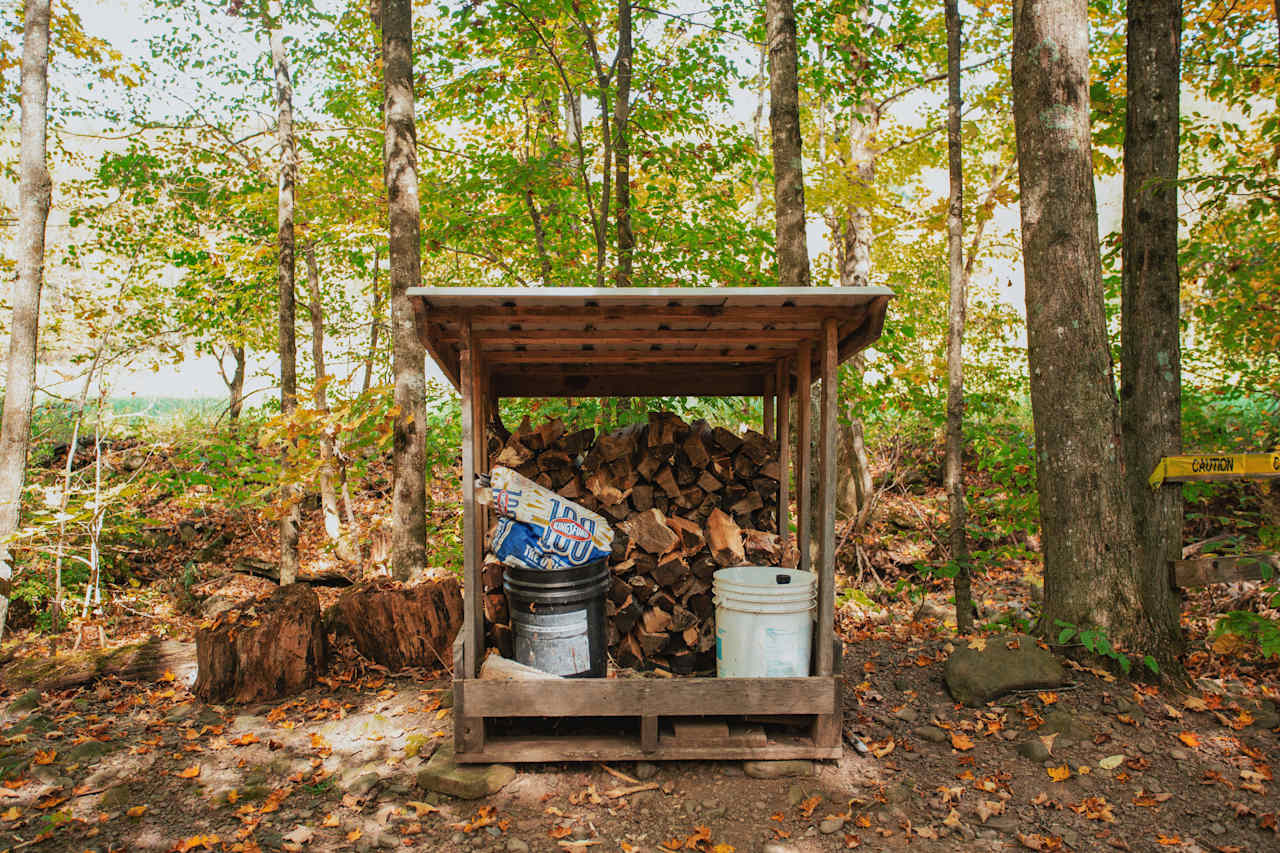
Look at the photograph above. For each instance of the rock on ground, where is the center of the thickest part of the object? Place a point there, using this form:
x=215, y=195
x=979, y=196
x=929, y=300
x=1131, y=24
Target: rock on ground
x=778, y=769
x=444, y=775
x=976, y=676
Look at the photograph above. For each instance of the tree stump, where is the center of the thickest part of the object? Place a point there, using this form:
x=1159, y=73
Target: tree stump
x=401, y=626
x=265, y=648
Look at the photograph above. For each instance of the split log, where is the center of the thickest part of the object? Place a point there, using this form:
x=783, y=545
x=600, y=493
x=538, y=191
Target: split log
x=726, y=540
x=649, y=532
x=267, y=648
x=401, y=626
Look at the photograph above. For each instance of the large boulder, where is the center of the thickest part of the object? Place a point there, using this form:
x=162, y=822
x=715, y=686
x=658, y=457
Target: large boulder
x=262, y=649
x=975, y=676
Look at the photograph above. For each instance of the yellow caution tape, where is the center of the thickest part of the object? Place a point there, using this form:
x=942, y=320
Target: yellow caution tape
x=1220, y=466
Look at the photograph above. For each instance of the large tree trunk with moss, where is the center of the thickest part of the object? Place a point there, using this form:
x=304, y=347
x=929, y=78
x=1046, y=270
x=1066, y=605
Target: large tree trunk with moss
x=1151, y=366
x=784, y=125
x=289, y=499
x=400, y=164
x=34, y=196
x=1090, y=552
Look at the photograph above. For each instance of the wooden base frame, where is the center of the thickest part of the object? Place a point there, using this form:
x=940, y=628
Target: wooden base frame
x=648, y=718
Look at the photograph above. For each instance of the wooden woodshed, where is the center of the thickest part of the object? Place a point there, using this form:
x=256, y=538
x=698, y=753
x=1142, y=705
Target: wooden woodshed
x=768, y=342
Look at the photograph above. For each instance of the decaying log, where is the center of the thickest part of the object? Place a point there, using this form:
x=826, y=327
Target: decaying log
x=401, y=626
x=266, y=648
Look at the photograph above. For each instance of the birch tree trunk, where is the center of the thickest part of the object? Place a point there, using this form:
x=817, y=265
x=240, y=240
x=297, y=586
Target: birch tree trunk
x=35, y=192
x=784, y=125
x=1090, y=553
x=958, y=284
x=289, y=518
x=400, y=165
x=1151, y=364
x=622, y=146
x=330, y=476
x=374, y=321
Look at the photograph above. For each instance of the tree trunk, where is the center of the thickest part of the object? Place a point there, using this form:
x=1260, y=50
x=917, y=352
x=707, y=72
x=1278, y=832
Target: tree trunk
x=330, y=475
x=1090, y=554
x=955, y=330
x=784, y=125
x=852, y=241
x=622, y=145
x=374, y=322
x=400, y=162
x=289, y=518
x=1151, y=366
x=235, y=385
x=34, y=197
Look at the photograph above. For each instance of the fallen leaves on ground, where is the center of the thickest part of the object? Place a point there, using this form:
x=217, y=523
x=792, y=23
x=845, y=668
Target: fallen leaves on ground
x=961, y=741
x=1059, y=774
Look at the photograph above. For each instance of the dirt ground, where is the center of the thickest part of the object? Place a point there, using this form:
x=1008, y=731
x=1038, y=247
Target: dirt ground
x=1100, y=764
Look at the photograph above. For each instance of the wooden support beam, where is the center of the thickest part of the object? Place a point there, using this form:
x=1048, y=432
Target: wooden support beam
x=1203, y=571
x=770, y=383
x=588, y=357
x=630, y=336
x=690, y=382
x=803, y=461
x=660, y=697
x=827, y=499
x=649, y=732
x=473, y=611
x=783, y=384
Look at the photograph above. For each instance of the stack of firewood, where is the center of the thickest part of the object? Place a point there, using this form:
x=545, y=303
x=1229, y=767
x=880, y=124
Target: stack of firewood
x=684, y=501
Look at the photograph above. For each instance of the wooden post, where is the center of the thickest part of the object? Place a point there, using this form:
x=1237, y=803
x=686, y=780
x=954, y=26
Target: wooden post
x=473, y=611
x=803, y=462
x=827, y=497
x=783, y=384
x=768, y=406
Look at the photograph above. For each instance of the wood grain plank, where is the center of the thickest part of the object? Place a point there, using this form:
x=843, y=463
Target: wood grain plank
x=804, y=463
x=827, y=500
x=604, y=748
x=783, y=384
x=616, y=697
x=472, y=612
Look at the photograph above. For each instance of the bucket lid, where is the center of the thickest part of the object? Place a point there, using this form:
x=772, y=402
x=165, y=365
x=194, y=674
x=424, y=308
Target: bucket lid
x=765, y=578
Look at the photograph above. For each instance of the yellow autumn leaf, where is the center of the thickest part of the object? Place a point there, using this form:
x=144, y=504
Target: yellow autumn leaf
x=1059, y=774
x=961, y=741
x=1191, y=739
x=191, y=772
x=136, y=811
x=330, y=820
x=1111, y=762
x=11, y=814
x=45, y=756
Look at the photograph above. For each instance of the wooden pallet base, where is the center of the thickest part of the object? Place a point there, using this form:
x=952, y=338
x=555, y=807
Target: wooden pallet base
x=623, y=748
x=650, y=719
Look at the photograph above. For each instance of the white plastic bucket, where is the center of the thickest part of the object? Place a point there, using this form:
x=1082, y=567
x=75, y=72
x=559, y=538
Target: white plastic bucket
x=764, y=621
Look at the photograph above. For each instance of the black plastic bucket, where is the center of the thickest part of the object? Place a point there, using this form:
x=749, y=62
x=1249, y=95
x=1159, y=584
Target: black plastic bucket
x=557, y=617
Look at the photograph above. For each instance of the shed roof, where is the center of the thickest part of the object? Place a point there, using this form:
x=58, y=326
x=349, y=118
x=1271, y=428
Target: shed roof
x=640, y=342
